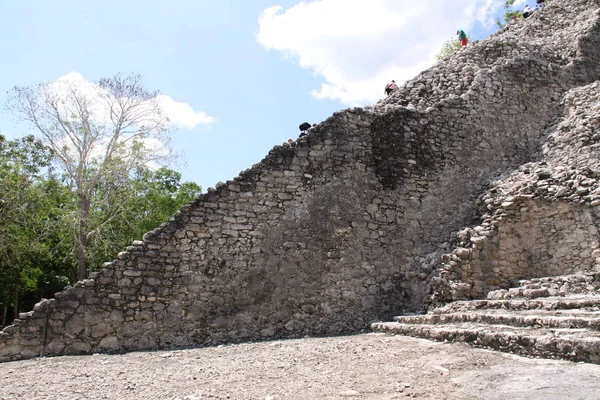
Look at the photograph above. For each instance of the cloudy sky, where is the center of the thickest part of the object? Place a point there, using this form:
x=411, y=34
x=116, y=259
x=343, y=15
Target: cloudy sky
x=236, y=76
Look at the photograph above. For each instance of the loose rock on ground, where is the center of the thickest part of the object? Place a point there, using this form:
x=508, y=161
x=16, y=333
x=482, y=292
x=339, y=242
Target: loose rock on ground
x=366, y=366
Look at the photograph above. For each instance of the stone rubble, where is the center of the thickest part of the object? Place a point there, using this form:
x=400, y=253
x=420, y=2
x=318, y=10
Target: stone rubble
x=540, y=220
x=486, y=161
x=539, y=223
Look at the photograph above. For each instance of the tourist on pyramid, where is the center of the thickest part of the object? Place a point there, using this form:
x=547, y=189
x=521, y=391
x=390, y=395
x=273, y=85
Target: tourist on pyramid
x=462, y=36
x=304, y=127
x=527, y=11
x=390, y=87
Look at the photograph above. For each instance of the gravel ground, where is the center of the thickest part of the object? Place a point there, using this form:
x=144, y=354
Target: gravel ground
x=366, y=366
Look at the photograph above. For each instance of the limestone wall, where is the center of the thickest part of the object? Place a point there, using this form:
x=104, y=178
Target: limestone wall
x=540, y=220
x=335, y=233
x=547, y=240
x=532, y=239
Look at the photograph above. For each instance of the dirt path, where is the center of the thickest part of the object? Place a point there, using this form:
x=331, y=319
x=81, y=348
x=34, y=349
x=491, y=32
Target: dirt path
x=367, y=366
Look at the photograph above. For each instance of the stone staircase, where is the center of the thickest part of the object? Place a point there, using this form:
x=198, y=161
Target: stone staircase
x=554, y=317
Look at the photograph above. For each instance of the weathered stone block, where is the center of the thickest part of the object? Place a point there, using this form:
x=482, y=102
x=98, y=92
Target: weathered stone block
x=130, y=272
x=75, y=324
x=101, y=330
x=109, y=343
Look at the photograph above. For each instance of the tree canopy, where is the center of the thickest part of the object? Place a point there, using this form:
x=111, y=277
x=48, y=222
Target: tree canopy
x=509, y=13
x=89, y=185
x=38, y=228
x=29, y=203
x=98, y=134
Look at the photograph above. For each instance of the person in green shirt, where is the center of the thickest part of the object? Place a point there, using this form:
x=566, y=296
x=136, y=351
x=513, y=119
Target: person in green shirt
x=462, y=36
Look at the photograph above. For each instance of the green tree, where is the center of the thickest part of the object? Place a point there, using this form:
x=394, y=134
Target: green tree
x=98, y=133
x=25, y=218
x=142, y=202
x=159, y=194
x=509, y=13
x=449, y=47
x=38, y=219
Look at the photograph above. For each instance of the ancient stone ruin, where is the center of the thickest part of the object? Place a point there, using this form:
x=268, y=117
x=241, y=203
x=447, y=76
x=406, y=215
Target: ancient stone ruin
x=478, y=179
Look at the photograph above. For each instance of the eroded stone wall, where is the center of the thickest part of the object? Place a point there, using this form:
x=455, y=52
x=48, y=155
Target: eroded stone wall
x=547, y=240
x=540, y=220
x=532, y=239
x=334, y=233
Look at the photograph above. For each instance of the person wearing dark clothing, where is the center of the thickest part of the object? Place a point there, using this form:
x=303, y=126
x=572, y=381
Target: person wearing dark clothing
x=304, y=127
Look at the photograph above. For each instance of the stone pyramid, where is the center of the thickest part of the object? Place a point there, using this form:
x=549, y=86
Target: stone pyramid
x=478, y=173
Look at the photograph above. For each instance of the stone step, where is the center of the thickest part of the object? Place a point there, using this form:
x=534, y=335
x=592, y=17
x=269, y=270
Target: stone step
x=590, y=277
x=584, y=302
x=569, y=344
x=536, y=291
x=577, y=320
x=563, y=285
x=576, y=312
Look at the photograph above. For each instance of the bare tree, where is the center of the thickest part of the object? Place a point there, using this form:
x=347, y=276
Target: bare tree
x=97, y=132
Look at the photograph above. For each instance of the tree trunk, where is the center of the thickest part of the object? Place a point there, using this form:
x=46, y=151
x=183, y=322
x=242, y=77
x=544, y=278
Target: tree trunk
x=16, y=300
x=4, y=312
x=82, y=242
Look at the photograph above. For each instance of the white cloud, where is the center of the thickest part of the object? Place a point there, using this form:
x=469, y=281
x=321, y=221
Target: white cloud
x=65, y=98
x=180, y=114
x=357, y=46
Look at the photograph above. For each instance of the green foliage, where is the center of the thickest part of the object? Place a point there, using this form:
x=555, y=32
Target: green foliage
x=97, y=138
x=509, y=13
x=449, y=47
x=38, y=218
x=133, y=206
x=27, y=204
x=158, y=194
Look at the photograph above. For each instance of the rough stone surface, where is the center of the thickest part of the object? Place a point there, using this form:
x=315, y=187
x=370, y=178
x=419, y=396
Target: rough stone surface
x=552, y=317
x=377, y=366
x=487, y=159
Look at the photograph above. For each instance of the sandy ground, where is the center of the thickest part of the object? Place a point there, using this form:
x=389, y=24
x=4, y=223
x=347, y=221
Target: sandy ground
x=366, y=366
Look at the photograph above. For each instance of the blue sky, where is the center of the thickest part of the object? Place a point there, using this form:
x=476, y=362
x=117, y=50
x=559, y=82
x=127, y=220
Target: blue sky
x=251, y=70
